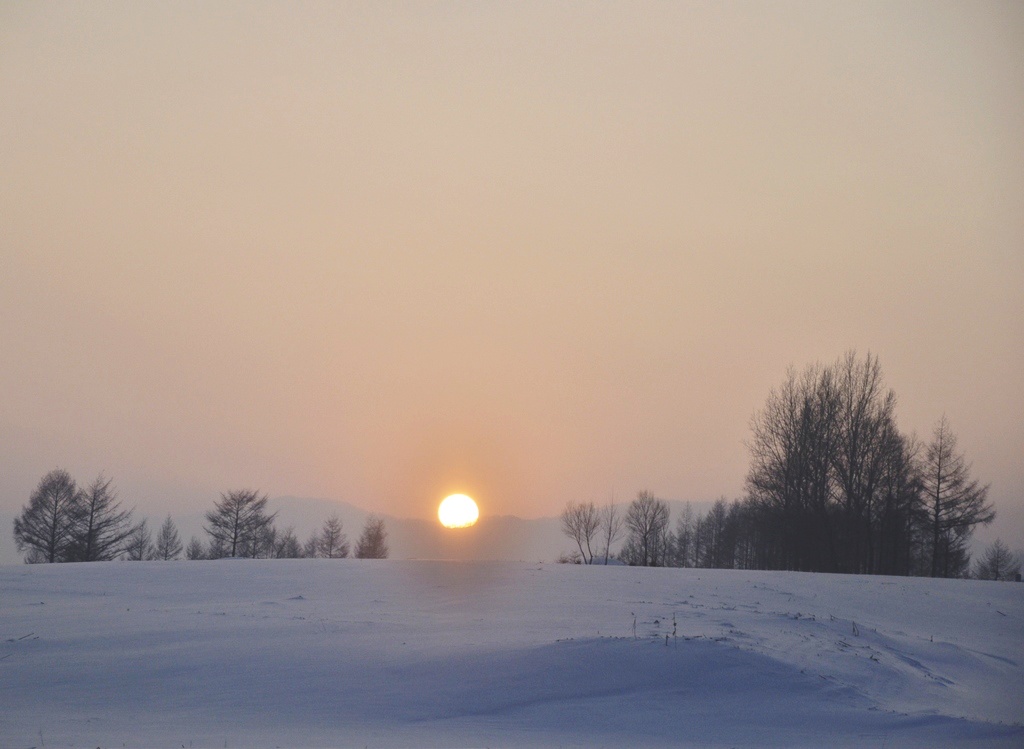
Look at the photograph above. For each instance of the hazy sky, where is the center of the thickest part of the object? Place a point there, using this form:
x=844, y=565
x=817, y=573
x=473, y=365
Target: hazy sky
x=528, y=251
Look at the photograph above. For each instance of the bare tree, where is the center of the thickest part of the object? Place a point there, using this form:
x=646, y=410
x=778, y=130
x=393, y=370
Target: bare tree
x=373, y=542
x=168, y=542
x=138, y=546
x=790, y=479
x=865, y=434
x=332, y=542
x=955, y=503
x=580, y=521
x=100, y=527
x=899, y=513
x=195, y=549
x=610, y=525
x=287, y=545
x=45, y=528
x=999, y=563
x=833, y=484
x=238, y=523
x=647, y=522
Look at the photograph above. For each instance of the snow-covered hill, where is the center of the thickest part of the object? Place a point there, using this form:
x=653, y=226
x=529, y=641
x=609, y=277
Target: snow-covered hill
x=406, y=653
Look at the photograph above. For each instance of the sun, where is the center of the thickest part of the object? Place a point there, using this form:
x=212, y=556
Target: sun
x=458, y=511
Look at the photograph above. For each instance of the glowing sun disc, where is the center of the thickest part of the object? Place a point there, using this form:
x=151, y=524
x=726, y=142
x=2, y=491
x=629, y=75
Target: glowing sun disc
x=458, y=511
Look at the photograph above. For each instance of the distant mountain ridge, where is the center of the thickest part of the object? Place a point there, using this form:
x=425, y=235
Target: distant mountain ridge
x=493, y=538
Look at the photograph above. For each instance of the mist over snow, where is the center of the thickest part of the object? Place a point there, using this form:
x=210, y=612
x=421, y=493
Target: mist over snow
x=414, y=653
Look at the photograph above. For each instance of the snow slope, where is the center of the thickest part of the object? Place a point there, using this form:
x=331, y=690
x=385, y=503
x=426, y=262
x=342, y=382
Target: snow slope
x=412, y=653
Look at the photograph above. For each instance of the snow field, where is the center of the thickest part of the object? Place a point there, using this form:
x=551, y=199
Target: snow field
x=415, y=653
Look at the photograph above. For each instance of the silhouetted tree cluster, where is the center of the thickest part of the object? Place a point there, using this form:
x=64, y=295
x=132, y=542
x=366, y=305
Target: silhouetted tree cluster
x=65, y=523
x=834, y=486
x=719, y=538
x=239, y=521
x=590, y=528
x=723, y=537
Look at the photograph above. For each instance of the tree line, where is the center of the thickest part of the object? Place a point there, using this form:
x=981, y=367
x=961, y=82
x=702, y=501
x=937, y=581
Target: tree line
x=63, y=522
x=833, y=486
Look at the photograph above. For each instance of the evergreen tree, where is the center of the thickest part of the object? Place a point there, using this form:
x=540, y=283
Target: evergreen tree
x=954, y=503
x=999, y=563
x=139, y=544
x=372, y=542
x=237, y=524
x=195, y=549
x=332, y=542
x=168, y=542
